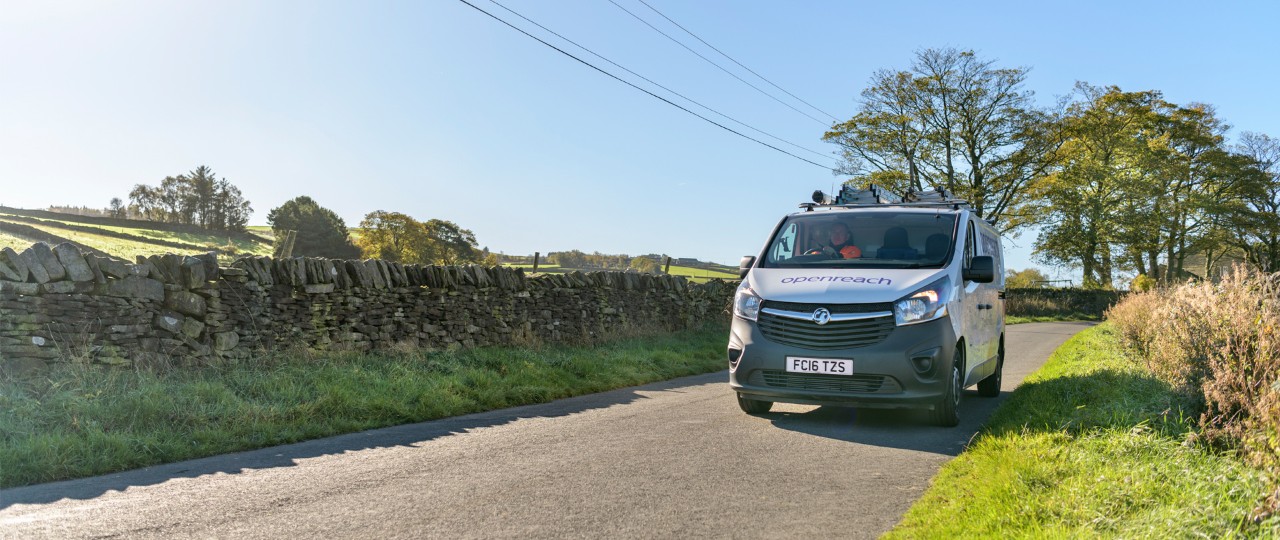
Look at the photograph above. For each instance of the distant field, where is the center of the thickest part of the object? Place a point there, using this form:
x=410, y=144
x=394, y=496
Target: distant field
x=150, y=242
x=264, y=231
x=696, y=275
x=703, y=273
x=9, y=240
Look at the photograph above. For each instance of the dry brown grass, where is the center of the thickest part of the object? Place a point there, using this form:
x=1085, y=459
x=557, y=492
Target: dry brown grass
x=1220, y=341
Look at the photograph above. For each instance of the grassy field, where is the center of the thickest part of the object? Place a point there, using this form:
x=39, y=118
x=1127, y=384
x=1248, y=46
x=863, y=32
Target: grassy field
x=696, y=275
x=129, y=248
x=1092, y=445
x=84, y=420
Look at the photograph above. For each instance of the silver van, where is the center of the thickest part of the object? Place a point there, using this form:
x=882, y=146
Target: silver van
x=870, y=301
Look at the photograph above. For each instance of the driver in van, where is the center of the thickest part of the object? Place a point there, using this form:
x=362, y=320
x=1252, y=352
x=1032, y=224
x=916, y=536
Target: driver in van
x=841, y=243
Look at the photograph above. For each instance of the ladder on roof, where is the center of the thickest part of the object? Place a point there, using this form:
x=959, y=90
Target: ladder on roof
x=874, y=194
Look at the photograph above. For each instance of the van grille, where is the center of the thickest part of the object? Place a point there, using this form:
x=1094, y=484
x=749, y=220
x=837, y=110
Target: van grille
x=834, y=308
x=833, y=335
x=860, y=384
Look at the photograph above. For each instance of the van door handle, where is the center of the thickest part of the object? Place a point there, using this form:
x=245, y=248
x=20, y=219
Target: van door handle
x=984, y=306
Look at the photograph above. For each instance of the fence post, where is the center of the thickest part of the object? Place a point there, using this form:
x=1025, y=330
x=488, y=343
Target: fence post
x=535, y=262
x=666, y=269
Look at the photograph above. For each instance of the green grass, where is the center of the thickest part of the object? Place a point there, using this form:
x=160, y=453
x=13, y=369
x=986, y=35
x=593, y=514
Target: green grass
x=701, y=274
x=1091, y=445
x=696, y=275
x=81, y=420
x=1061, y=317
x=16, y=242
x=130, y=248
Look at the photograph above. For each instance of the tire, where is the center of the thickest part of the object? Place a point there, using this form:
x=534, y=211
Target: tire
x=754, y=406
x=946, y=412
x=990, y=386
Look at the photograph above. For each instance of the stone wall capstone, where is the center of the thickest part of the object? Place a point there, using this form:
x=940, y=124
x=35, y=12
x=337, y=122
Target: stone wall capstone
x=59, y=304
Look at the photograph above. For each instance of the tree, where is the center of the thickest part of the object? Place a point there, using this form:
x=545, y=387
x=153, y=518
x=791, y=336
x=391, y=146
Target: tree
x=453, y=244
x=397, y=237
x=320, y=232
x=195, y=198
x=956, y=122
x=1255, y=221
x=116, y=208
x=568, y=259
x=644, y=265
x=1025, y=279
x=1100, y=177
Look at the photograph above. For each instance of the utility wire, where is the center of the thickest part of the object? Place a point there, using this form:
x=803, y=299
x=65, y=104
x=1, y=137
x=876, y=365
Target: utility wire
x=650, y=81
x=628, y=83
x=712, y=62
x=722, y=53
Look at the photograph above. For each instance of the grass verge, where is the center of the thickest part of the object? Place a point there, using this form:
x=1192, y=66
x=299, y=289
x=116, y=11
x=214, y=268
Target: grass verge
x=1091, y=445
x=82, y=421
x=1061, y=317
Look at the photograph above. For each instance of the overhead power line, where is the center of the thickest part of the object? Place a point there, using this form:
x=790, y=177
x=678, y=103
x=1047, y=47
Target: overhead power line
x=722, y=53
x=628, y=83
x=650, y=81
x=712, y=62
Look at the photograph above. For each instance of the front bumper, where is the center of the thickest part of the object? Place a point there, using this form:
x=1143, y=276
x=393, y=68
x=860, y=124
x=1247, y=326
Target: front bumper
x=907, y=369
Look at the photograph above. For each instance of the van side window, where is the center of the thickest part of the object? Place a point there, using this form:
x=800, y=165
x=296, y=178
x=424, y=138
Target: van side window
x=969, y=245
x=784, y=247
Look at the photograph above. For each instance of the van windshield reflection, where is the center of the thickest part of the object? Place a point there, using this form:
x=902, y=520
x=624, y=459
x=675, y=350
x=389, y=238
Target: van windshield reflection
x=871, y=239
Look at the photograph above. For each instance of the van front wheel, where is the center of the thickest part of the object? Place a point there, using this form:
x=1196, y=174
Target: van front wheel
x=947, y=411
x=754, y=406
x=990, y=386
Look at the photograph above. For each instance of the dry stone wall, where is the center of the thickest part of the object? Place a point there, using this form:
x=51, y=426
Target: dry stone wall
x=58, y=304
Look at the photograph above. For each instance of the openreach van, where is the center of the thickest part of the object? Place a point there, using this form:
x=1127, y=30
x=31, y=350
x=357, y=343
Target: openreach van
x=871, y=300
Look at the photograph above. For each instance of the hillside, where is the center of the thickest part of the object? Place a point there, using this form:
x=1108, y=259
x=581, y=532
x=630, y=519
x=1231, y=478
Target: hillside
x=124, y=238
x=128, y=238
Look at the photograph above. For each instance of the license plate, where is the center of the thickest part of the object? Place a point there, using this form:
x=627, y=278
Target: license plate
x=825, y=366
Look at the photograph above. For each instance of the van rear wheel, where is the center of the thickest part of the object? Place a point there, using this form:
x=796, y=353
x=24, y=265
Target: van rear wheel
x=754, y=406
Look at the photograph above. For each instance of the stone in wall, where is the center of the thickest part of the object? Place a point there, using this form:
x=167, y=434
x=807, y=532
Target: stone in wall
x=69, y=257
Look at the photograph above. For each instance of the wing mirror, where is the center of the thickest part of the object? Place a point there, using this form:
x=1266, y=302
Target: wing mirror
x=745, y=265
x=982, y=269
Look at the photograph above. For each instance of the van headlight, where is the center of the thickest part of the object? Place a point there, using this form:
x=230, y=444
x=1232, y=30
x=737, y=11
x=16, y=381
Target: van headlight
x=925, y=304
x=746, y=303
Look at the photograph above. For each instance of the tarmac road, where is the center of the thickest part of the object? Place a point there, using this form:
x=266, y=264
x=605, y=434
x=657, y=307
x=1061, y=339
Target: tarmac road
x=673, y=459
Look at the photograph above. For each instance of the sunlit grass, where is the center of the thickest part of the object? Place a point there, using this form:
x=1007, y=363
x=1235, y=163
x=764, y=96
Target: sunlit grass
x=18, y=243
x=130, y=248
x=80, y=420
x=1091, y=445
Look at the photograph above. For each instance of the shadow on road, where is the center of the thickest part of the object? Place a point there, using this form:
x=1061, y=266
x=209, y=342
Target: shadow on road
x=289, y=455
x=907, y=429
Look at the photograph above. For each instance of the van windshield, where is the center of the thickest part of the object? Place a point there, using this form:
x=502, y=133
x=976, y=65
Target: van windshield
x=870, y=239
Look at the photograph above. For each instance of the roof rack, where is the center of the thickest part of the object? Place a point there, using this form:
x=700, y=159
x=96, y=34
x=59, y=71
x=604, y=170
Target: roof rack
x=875, y=195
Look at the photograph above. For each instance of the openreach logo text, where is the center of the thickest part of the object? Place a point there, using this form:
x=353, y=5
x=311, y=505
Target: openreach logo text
x=839, y=279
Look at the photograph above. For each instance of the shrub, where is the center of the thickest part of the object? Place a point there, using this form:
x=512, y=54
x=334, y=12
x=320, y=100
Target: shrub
x=1142, y=283
x=1059, y=302
x=1218, y=341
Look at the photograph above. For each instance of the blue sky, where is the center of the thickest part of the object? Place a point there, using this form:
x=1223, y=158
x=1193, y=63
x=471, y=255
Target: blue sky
x=435, y=110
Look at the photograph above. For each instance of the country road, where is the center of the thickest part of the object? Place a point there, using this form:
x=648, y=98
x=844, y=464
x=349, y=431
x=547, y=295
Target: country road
x=673, y=459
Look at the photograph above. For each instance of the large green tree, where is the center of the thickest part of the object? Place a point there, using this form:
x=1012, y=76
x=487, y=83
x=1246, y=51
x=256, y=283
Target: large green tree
x=1099, y=175
x=196, y=198
x=320, y=232
x=1144, y=185
x=394, y=236
x=956, y=122
x=453, y=244
x=1254, y=224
